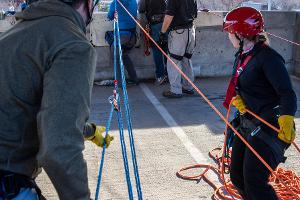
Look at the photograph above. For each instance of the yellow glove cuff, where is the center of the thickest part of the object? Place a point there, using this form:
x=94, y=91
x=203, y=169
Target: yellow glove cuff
x=239, y=104
x=287, y=128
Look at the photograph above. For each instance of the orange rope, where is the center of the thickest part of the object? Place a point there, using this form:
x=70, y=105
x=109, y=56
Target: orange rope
x=227, y=190
x=295, y=43
x=207, y=100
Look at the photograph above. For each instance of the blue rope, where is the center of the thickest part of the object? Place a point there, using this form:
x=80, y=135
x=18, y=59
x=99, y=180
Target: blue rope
x=121, y=131
x=103, y=153
x=119, y=114
x=120, y=123
x=129, y=122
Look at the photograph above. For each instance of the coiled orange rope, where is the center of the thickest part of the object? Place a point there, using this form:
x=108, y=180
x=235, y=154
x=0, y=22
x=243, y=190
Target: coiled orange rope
x=280, y=179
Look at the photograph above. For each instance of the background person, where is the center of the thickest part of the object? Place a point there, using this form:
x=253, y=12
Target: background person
x=179, y=18
x=155, y=12
x=127, y=36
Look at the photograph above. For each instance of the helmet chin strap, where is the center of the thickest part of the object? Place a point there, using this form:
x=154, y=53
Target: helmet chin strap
x=90, y=12
x=241, y=43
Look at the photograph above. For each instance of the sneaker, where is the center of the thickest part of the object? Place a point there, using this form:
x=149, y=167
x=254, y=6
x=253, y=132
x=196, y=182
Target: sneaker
x=161, y=80
x=105, y=83
x=132, y=83
x=170, y=94
x=190, y=92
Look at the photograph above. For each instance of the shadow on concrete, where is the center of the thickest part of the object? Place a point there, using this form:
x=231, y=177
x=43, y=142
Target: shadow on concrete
x=187, y=112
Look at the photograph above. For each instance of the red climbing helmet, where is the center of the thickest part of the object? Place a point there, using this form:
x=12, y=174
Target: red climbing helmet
x=246, y=21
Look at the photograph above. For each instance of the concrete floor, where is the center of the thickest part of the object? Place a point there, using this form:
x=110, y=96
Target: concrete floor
x=162, y=147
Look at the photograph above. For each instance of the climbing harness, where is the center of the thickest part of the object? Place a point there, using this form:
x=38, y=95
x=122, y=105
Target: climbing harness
x=233, y=80
x=116, y=106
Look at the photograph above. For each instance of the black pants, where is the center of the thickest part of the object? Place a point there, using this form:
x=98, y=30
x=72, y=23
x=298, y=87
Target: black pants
x=30, y=1
x=247, y=172
x=127, y=43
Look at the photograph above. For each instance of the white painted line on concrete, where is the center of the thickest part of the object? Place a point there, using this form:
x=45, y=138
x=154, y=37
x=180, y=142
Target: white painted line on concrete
x=190, y=147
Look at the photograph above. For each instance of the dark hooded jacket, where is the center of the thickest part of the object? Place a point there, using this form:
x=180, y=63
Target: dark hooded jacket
x=46, y=73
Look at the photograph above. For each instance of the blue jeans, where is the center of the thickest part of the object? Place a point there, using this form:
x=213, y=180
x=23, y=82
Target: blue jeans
x=25, y=194
x=158, y=57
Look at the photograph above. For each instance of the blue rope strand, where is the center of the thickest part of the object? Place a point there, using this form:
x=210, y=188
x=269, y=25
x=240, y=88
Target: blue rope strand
x=120, y=124
x=129, y=122
x=124, y=155
x=120, y=121
x=103, y=153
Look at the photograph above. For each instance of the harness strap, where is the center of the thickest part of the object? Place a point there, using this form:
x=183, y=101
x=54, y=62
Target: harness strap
x=231, y=91
x=177, y=57
x=11, y=184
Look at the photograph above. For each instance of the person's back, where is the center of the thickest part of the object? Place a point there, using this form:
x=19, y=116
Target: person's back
x=45, y=86
x=184, y=12
x=125, y=21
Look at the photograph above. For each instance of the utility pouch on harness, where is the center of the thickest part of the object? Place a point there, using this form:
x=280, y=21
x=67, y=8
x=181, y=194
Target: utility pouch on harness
x=109, y=37
x=254, y=129
x=230, y=134
x=128, y=38
x=156, y=19
x=12, y=183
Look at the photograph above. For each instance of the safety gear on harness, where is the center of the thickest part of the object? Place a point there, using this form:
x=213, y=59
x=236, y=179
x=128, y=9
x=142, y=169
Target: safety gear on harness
x=98, y=138
x=239, y=104
x=287, y=128
x=241, y=66
x=245, y=21
x=12, y=185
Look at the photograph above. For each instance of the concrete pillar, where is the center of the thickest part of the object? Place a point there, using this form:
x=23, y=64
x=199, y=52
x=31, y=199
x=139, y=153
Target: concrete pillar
x=297, y=48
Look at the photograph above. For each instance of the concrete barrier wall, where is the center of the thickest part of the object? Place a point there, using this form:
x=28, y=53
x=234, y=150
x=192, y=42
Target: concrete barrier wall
x=297, y=48
x=214, y=54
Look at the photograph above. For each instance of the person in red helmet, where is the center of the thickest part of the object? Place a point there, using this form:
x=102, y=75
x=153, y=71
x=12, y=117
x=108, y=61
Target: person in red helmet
x=260, y=83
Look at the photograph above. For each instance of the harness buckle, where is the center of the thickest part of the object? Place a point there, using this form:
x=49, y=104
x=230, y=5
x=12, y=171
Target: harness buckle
x=9, y=186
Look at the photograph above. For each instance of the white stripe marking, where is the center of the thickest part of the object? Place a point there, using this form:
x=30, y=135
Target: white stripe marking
x=190, y=147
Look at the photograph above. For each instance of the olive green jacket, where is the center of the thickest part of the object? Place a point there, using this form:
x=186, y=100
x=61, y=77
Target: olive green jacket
x=46, y=74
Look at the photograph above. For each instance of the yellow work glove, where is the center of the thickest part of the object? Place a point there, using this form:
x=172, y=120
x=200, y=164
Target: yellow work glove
x=98, y=138
x=239, y=104
x=287, y=128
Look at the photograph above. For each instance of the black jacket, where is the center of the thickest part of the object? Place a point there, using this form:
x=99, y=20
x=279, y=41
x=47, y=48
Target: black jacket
x=184, y=12
x=152, y=7
x=265, y=83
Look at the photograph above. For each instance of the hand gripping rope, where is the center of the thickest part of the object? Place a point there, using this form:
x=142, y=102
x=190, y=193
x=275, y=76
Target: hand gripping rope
x=115, y=101
x=279, y=179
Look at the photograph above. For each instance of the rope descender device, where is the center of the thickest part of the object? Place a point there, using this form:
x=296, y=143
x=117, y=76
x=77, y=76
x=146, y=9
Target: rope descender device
x=113, y=99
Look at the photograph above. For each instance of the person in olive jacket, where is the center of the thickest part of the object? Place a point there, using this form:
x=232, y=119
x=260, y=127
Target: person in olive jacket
x=46, y=75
